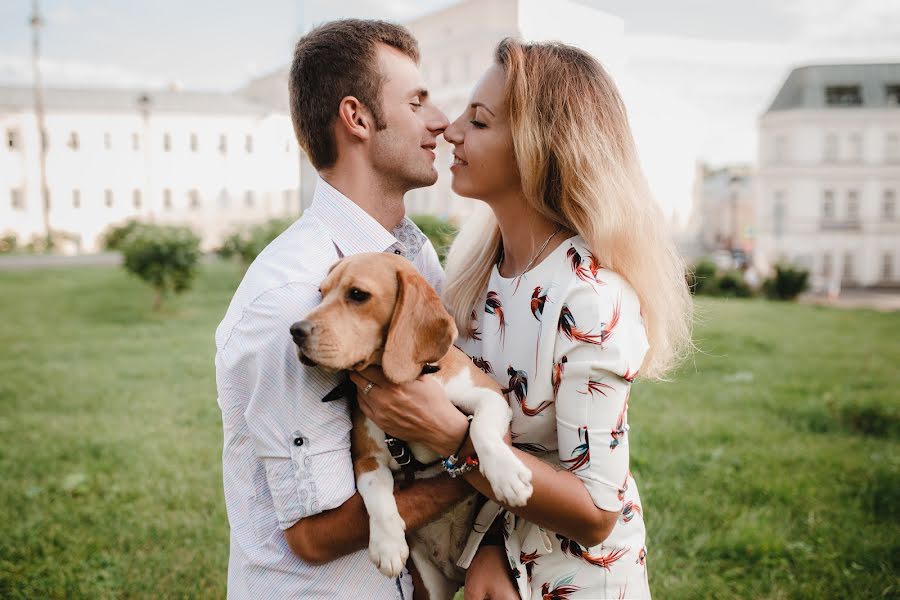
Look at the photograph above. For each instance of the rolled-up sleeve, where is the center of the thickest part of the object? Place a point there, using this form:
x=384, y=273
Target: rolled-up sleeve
x=600, y=346
x=303, y=444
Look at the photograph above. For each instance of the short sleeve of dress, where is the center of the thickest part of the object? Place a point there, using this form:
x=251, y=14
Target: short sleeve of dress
x=600, y=345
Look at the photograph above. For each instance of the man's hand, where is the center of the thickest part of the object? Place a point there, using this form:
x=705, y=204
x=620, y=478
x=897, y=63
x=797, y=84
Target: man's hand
x=489, y=576
x=418, y=411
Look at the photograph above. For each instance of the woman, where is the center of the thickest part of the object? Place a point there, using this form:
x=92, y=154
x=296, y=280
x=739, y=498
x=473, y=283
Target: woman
x=566, y=289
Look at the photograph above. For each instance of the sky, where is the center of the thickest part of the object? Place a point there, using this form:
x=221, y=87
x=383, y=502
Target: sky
x=706, y=69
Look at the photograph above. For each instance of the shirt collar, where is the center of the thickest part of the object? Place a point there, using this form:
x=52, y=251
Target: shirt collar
x=353, y=230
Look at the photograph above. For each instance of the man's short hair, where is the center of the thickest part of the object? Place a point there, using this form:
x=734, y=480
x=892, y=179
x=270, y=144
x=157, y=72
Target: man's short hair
x=333, y=61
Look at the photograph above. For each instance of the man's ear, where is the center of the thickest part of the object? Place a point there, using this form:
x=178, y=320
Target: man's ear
x=354, y=118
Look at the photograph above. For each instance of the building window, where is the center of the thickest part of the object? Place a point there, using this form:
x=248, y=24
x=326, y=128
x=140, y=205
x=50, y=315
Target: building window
x=17, y=199
x=223, y=144
x=843, y=95
x=76, y=198
x=107, y=141
x=287, y=145
x=853, y=205
x=889, y=206
x=781, y=148
x=831, y=147
x=892, y=93
x=445, y=71
x=136, y=199
x=892, y=147
x=135, y=141
x=887, y=267
x=167, y=199
x=248, y=144
x=828, y=204
x=45, y=140
x=12, y=139
x=854, y=151
x=827, y=265
x=778, y=211
x=73, y=142
x=194, y=142
x=167, y=142
x=47, y=199
x=108, y=198
x=224, y=199
x=194, y=199
x=249, y=198
x=847, y=275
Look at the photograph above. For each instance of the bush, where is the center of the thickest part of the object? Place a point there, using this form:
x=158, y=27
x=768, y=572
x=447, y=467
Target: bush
x=732, y=284
x=163, y=256
x=786, y=284
x=702, y=280
x=8, y=243
x=116, y=234
x=247, y=244
x=439, y=231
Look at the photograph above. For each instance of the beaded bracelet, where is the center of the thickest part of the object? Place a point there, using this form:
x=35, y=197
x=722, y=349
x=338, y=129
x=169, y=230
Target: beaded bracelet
x=455, y=470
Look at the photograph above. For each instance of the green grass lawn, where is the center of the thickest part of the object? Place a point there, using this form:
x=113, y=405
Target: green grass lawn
x=768, y=467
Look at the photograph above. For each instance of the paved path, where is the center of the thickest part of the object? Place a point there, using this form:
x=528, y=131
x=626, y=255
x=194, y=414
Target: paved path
x=883, y=300
x=22, y=262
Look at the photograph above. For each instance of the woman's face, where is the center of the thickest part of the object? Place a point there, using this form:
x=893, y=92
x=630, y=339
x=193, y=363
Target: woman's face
x=484, y=163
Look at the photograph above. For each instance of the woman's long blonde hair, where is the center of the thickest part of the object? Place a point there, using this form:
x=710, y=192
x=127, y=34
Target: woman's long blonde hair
x=579, y=168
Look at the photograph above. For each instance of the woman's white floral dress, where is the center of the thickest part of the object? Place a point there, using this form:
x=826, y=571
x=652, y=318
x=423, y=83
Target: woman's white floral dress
x=566, y=339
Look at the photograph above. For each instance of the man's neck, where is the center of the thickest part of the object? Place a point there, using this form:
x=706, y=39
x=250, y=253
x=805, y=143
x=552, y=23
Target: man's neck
x=368, y=192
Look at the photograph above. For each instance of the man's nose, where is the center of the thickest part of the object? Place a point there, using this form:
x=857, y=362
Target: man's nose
x=438, y=122
x=301, y=330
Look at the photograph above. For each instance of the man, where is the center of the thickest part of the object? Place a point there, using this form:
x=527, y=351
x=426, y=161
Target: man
x=298, y=528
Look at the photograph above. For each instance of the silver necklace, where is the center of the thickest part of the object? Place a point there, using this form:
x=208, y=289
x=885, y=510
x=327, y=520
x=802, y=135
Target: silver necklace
x=533, y=258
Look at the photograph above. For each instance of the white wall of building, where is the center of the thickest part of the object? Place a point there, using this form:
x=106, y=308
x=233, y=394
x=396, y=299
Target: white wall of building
x=121, y=168
x=828, y=180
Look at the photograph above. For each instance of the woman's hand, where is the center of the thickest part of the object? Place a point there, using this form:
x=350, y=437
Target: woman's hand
x=489, y=577
x=418, y=411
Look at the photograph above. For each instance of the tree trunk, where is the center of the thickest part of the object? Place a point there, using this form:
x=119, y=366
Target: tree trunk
x=157, y=300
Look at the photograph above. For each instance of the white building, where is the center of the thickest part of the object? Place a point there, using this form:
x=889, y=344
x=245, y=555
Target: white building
x=211, y=161
x=829, y=174
x=723, y=209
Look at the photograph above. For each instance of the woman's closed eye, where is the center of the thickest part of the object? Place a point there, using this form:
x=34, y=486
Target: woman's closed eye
x=477, y=124
x=416, y=105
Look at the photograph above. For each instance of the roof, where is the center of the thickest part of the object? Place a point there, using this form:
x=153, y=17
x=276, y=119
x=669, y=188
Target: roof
x=805, y=86
x=14, y=98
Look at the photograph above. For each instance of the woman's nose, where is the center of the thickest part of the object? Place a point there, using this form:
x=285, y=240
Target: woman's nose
x=453, y=133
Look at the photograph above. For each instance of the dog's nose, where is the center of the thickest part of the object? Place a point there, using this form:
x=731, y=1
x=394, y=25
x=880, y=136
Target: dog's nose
x=301, y=330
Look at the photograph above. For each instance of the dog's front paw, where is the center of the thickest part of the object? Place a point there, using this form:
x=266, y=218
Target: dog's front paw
x=387, y=547
x=510, y=479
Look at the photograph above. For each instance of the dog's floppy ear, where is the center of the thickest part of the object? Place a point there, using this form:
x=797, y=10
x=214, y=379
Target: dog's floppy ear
x=421, y=330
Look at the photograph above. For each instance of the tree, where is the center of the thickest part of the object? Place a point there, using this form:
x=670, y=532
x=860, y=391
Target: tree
x=247, y=244
x=164, y=256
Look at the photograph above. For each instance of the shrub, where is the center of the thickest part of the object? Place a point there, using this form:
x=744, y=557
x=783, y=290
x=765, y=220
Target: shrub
x=732, y=284
x=8, y=243
x=787, y=283
x=163, y=256
x=116, y=234
x=247, y=244
x=702, y=280
x=440, y=231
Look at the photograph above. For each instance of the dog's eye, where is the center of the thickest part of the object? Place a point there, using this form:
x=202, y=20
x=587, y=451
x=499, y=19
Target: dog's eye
x=358, y=295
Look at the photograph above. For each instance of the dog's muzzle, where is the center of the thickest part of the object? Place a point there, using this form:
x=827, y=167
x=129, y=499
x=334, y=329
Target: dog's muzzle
x=300, y=332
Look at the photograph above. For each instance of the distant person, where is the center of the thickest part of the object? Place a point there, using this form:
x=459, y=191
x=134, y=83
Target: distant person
x=298, y=528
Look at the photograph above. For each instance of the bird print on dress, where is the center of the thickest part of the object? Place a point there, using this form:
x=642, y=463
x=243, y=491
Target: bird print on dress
x=595, y=385
x=557, y=375
x=585, y=273
x=518, y=385
x=529, y=560
x=621, y=491
x=581, y=455
x=569, y=328
x=629, y=510
x=642, y=557
x=472, y=332
x=483, y=364
x=572, y=547
x=618, y=432
x=493, y=306
x=562, y=588
x=538, y=301
x=629, y=376
x=530, y=447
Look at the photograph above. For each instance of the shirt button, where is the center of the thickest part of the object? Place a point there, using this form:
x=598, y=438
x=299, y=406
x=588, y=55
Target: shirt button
x=298, y=441
x=397, y=252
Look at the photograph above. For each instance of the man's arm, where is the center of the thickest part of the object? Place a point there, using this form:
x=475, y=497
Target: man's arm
x=334, y=533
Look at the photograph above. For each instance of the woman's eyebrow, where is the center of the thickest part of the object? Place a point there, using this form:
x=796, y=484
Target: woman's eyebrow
x=477, y=104
x=422, y=93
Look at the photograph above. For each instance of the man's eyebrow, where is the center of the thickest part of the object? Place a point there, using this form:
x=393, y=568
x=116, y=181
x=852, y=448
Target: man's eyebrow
x=422, y=93
x=477, y=104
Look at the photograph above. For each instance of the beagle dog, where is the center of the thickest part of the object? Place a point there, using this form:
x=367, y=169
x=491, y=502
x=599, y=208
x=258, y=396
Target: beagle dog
x=378, y=310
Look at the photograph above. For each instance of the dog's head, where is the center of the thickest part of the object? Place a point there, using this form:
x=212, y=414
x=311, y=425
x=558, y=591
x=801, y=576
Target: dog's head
x=376, y=309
